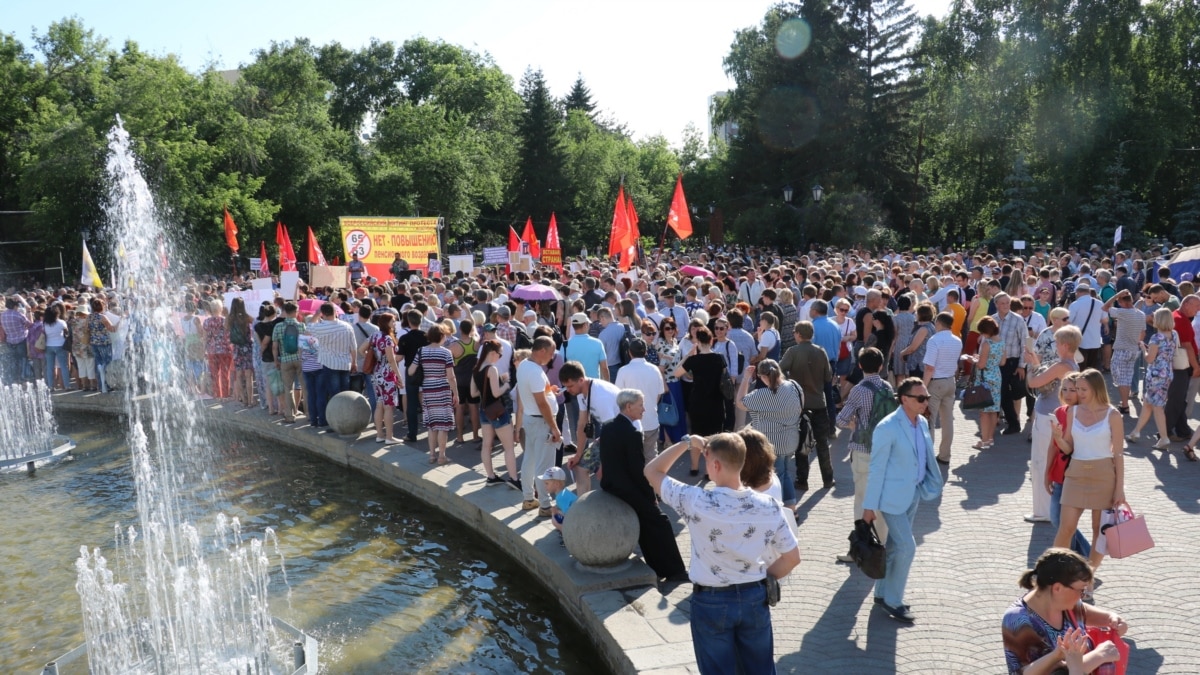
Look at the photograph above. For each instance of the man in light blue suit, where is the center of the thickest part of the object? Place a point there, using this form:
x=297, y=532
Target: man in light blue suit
x=904, y=471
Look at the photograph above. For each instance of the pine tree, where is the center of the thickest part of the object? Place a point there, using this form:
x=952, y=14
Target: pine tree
x=1112, y=206
x=1018, y=219
x=1187, y=219
x=541, y=182
x=580, y=98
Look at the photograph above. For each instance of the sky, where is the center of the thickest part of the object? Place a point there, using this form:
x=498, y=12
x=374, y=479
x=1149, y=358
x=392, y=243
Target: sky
x=651, y=64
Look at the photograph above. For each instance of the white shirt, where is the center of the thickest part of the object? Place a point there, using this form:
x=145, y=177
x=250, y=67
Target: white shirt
x=1036, y=323
x=768, y=339
x=603, y=399
x=1079, y=313
x=335, y=343
x=942, y=353
x=646, y=378
x=751, y=292
x=504, y=365
x=531, y=379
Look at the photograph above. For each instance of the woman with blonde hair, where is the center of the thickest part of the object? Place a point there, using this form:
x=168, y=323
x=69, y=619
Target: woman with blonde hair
x=1046, y=381
x=1095, y=480
x=1159, y=353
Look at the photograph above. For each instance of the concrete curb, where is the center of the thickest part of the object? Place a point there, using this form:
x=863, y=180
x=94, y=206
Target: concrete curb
x=633, y=626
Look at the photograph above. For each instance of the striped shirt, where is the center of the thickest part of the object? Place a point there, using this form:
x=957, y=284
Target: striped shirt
x=857, y=408
x=335, y=343
x=942, y=352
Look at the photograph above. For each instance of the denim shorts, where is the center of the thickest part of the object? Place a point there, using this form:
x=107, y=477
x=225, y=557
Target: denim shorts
x=505, y=419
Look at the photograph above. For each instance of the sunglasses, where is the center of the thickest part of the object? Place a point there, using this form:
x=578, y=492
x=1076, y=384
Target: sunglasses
x=1026, y=306
x=923, y=398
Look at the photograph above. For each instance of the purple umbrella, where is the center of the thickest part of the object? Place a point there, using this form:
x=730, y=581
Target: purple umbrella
x=534, y=292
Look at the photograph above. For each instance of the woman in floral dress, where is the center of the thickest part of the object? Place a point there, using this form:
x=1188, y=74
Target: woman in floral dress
x=385, y=377
x=241, y=340
x=1159, y=353
x=669, y=357
x=991, y=351
x=439, y=391
x=219, y=351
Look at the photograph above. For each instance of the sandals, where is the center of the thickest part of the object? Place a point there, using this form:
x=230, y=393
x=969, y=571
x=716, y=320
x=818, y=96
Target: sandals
x=1123, y=409
x=1189, y=452
x=983, y=445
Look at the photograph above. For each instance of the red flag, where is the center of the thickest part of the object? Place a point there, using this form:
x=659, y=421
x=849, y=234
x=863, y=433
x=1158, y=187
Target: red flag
x=287, y=255
x=679, y=219
x=620, y=223
x=530, y=237
x=264, y=265
x=634, y=233
x=552, y=233
x=552, y=244
x=315, y=256
x=230, y=232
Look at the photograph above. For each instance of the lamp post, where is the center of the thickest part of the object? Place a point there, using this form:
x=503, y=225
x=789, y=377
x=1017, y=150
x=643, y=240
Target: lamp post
x=818, y=192
x=788, y=192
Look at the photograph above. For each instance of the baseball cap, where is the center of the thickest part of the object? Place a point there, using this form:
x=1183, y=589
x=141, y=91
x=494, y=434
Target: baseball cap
x=554, y=473
x=859, y=290
x=579, y=319
x=489, y=328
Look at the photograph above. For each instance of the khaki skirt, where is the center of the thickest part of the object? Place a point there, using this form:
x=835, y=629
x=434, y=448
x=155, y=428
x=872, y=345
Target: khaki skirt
x=1089, y=484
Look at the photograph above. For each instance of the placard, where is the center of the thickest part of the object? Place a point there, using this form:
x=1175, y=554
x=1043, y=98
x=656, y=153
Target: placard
x=552, y=256
x=255, y=263
x=462, y=263
x=288, y=283
x=1018, y=245
x=329, y=275
x=435, y=267
x=252, y=299
x=495, y=255
x=576, y=267
x=262, y=285
x=378, y=240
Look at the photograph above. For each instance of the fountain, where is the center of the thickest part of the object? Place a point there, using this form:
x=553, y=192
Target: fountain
x=28, y=433
x=179, y=597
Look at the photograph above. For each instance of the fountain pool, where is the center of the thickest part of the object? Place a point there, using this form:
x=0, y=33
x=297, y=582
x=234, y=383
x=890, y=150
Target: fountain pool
x=386, y=584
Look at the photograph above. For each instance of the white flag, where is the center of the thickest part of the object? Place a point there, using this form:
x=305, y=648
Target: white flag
x=1117, y=236
x=89, y=276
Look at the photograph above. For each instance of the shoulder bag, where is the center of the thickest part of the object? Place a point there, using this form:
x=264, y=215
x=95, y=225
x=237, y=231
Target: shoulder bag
x=977, y=396
x=728, y=385
x=668, y=414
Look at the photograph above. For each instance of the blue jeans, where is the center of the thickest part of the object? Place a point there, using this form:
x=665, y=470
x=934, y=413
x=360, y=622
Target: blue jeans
x=312, y=380
x=14, y=362
x=330, y=383
x=733, y=628
x=57, y=355
x=412, y=413
x=103, y=354
x=783, y=469
x=369, y=390
x=901, y=549
x=1079, y=543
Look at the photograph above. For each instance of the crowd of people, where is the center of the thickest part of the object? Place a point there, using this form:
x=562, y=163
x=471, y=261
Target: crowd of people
x=748, y=370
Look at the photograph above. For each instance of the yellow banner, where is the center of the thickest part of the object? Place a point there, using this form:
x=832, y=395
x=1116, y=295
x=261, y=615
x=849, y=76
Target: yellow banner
x=552, y=256
x=377, y=240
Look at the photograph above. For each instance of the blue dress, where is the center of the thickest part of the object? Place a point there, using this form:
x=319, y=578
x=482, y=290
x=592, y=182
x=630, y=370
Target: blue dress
x=991, y=373
x=1158, y=371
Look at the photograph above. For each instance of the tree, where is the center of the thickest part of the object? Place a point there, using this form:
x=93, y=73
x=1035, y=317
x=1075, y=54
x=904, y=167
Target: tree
x=1112, y=206
x=540, y=185
x=579, y=98
x=1019, y=218
x=1187, y=219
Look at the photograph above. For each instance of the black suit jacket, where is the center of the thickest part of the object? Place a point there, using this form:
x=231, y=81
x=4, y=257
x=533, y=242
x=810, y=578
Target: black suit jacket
x=622, y=461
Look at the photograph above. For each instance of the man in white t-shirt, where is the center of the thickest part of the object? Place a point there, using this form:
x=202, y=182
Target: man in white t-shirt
x=739, y=538
x=597, y=400
x=648, y=379
x=1086, y=313
x=542, y=435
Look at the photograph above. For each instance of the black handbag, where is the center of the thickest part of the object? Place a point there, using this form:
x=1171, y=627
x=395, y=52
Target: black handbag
x=977, y=396
x=868, y=553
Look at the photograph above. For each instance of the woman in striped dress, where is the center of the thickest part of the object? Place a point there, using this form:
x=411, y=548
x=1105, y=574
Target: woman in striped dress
x=439, y=391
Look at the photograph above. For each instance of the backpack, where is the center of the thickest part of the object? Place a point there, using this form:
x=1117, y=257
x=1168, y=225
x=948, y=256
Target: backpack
x=523, y=340
x=291, y=338
x=623, y=347
x=883, y=403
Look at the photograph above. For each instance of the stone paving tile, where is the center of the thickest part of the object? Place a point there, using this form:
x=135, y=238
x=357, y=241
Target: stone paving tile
x=972, y=546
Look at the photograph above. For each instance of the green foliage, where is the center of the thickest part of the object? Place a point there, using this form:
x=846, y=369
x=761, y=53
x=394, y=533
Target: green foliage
x=579, y=98
x=1113, y=206
x=1018, y=219
x=1187, y=219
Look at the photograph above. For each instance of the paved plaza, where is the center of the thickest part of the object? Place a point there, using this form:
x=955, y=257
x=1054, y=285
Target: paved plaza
x=972, y=545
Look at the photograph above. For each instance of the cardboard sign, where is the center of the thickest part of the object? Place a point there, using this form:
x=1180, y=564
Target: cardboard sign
x=288, y=283
x=434, y=267
x=1018, y=245
x=262, y=285
x=462, y=263
x=329, y=275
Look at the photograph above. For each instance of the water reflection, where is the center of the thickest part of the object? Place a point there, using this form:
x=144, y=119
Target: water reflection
x=384, y=583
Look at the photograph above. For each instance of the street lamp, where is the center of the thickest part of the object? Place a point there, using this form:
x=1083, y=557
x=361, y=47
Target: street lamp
x=787, y=193
x=712, y=208
x=818, y=193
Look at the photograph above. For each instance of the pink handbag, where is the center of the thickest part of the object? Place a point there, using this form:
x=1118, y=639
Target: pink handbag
x=1128, y=536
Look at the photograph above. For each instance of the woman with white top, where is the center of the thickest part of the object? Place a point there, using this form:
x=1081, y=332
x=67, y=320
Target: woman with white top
x=56, y=332
x=1095, y=480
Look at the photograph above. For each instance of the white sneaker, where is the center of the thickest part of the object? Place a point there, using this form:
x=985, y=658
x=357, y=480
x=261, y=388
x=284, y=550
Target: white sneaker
x=1036, y=519
x=1133, y=438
